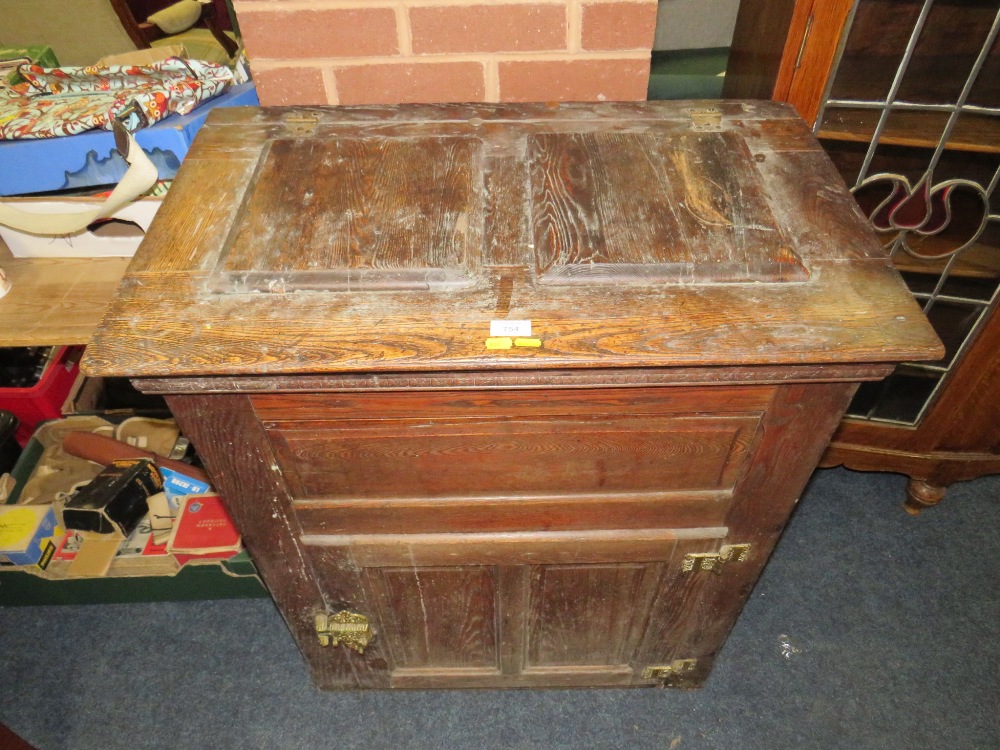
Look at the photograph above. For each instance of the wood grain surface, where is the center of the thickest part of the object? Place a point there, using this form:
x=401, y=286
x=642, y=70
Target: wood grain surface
x=56, y=301
x=514, y=380
x=705, y=294
x=607, y=206
x=796, y=429
x=508, y=513
x=256, y=497
x=373, y=213
x=492, y=210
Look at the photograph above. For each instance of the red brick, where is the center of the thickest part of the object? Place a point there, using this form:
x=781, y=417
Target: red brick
x=287, y=35
x=396, y=83
x=488, y=28
x=574, y=80
x=285, y=86
x=614, y=26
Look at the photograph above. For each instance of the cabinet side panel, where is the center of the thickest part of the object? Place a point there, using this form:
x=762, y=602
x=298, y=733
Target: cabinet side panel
x=796, y=430
x=259, y=504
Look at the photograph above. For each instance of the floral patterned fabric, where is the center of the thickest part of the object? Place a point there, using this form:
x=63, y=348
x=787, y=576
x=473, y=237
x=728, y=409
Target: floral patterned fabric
x=66, y=101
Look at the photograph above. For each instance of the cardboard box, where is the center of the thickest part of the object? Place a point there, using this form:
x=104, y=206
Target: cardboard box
x=143, y=579
x=144, y=56
x=149, y=577
x=118, y=236
x=27, y=532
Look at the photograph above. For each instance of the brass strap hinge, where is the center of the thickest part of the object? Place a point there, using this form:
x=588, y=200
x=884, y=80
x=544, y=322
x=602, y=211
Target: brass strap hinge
x=705, y=118
x=344, y=628
x=668, y=671
x=714, y=561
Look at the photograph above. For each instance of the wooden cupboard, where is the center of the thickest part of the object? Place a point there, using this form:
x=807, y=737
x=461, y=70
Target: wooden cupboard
x=509, y=396
x=905, y=97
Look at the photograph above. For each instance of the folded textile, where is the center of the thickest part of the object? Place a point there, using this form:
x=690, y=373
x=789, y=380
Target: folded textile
x=69, y=100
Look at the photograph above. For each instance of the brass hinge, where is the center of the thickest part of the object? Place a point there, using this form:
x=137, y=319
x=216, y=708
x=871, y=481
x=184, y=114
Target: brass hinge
x=665, y=672
x=300, y=124
x=705, y=118
x=347, y=628
x=714, y=561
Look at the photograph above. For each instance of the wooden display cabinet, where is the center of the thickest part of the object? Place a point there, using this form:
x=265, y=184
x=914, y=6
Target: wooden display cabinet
x=905, y=97
x=509, y=395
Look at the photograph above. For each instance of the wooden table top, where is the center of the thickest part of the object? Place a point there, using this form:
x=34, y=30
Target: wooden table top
x=55, y=301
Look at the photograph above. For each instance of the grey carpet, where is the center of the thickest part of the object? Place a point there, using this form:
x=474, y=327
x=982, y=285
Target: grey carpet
x=868, y=629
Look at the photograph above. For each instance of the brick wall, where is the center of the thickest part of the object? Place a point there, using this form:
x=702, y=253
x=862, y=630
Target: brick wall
x=388, y=51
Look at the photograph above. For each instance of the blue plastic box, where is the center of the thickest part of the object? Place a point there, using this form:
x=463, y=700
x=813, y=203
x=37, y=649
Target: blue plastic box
x=89, y=159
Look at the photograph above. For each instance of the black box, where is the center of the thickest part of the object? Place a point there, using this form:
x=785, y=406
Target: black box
x=116, y=499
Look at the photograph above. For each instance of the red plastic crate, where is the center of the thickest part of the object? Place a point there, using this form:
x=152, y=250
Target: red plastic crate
x=43, y=400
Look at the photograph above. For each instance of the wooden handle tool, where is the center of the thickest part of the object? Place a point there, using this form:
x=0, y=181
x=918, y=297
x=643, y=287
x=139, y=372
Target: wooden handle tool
x=104, y=450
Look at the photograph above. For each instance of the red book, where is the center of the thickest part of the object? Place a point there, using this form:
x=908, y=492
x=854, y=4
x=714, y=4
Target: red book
x=203, y=526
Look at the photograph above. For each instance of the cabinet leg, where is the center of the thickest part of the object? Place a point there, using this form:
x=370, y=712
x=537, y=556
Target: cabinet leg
x=921, y=494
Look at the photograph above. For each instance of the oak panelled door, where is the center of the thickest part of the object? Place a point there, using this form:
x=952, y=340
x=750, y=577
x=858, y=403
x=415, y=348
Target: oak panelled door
x=537, y=536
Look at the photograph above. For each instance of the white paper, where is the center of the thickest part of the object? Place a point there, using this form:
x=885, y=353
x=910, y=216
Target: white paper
x=510, y=328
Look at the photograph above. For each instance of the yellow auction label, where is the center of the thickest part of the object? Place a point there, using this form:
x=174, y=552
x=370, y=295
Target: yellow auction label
x=527, y=342
x=499, y=342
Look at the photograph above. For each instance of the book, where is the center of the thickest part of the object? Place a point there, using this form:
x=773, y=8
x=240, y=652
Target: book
x=203, y=527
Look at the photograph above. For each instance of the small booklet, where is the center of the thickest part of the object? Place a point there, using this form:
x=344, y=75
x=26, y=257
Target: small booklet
x=203, y=528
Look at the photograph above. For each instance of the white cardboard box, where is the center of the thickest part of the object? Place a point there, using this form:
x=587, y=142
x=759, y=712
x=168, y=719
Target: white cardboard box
x=119, y=237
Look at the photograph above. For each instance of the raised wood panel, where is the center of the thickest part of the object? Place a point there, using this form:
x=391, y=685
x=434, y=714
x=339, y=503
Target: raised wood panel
x=587, y=615
x=441, y=617
x=187, y=219
x=695, y=211
x=440, y=459
x=389, y=214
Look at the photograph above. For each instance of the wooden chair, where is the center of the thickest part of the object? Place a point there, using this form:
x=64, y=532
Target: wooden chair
x=146, y=34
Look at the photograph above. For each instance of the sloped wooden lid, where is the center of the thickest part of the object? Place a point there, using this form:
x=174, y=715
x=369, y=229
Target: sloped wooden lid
x=389, y=239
